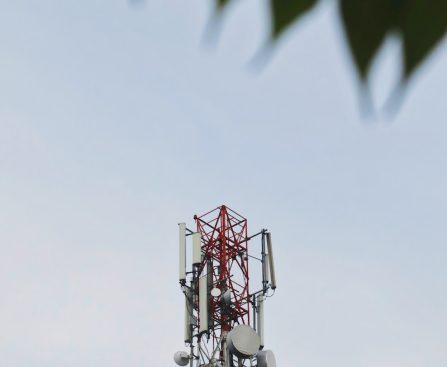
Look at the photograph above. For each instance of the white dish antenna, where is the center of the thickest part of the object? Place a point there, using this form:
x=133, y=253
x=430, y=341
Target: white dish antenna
x=243, y=341
x=181, y=358
x=216, y=292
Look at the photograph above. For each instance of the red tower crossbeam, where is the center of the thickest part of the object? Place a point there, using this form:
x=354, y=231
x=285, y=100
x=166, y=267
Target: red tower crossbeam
x=225, y=255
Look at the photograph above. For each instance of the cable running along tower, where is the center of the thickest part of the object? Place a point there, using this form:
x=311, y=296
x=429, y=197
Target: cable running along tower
x=224, y=321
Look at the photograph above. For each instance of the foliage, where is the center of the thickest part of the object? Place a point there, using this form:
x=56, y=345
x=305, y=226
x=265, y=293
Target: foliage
x=420, y=24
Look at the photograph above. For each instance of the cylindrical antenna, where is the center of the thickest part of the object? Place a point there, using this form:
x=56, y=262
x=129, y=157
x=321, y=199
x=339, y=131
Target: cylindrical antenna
x=203, y=303
x=267, y=267
x=188, y=311
x=182, y=252
x=263, y=261
x=196, y=249
x=260, y=318
x=271, y=263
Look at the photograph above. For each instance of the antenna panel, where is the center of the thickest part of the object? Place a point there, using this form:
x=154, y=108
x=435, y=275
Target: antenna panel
x=271, y=263
x=203, y=304
x=260, y=318
x=196, y=249
x=188, y=312
x=182, y=252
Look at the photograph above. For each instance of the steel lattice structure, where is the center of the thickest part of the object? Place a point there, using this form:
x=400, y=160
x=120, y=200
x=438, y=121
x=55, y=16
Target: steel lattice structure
x=219, y=307
x=225, y=254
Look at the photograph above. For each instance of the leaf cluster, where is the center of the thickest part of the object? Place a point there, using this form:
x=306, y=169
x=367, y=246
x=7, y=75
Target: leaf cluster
x=420, y=25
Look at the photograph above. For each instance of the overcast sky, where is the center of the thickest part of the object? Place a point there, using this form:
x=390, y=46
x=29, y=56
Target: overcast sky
x=117, y=122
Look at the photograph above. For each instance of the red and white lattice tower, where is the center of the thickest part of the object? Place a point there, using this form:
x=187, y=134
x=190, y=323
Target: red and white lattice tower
x=219, y=328
x=225, y=253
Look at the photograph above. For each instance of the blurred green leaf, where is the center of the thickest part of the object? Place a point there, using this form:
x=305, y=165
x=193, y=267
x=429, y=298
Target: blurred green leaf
x=286, y=12
x=221, y=4
x=367, y=23
x=423, y=24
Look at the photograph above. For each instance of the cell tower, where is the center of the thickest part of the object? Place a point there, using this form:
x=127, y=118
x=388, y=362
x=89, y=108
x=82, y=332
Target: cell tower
x=224, y=322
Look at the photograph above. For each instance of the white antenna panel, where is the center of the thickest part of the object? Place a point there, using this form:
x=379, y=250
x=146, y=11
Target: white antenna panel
x=196, y=249
x=267, y=268
x=203, y=303
x=260, y=318
x=271, y=263
x=182, y=252
x=188, y=312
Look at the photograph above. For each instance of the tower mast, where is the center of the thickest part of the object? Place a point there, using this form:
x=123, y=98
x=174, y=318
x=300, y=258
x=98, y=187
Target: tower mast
x=218, y=301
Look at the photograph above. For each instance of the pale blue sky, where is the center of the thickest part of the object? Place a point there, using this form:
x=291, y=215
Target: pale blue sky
x=118, y=122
